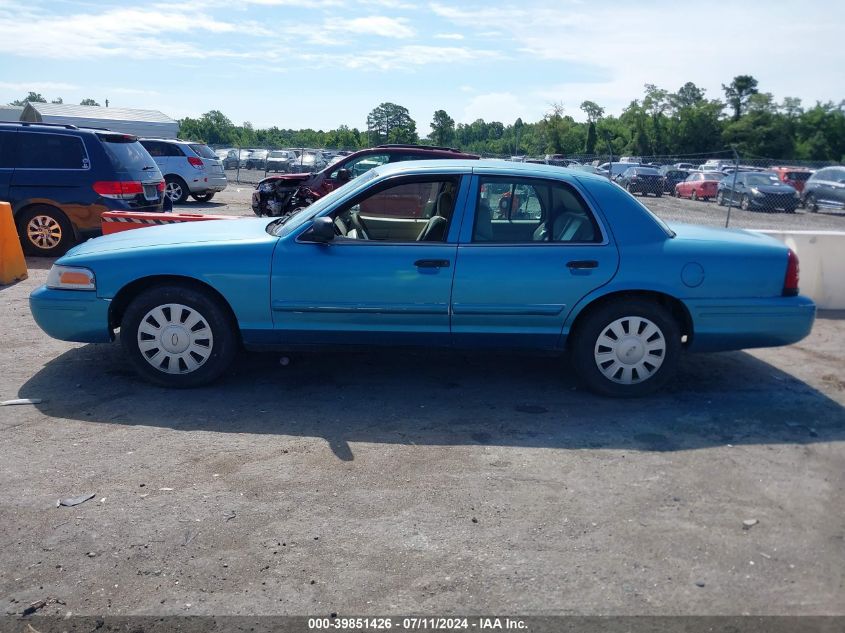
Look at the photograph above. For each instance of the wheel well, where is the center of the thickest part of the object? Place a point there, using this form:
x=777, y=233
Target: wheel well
x=33, y=205
x=676, y=308
x=125, y=295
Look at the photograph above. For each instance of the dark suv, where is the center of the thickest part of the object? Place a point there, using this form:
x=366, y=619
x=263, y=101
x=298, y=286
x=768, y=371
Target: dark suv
x=60, y=178
x=279, y=195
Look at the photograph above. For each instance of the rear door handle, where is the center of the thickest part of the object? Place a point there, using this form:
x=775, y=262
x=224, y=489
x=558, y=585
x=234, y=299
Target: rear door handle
x=432, y=263
x=582, y=263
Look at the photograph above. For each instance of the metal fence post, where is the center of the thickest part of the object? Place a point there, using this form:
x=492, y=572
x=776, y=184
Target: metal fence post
x=733, y=187
x=238, y=163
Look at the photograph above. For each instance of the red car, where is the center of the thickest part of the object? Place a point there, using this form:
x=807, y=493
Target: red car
x=279, y=195
x=793, y=176
x=699, y=185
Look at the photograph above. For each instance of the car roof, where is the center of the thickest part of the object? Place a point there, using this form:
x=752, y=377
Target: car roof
x=486, y=166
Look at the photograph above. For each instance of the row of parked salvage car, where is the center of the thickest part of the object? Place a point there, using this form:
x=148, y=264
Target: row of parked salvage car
x=292, y=160
x=751, y=189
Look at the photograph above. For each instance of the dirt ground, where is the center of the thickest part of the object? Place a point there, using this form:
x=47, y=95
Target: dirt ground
x=391, y=482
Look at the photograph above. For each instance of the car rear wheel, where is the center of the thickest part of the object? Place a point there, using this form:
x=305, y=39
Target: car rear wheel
x=810, y=203
x=745, y=203
x=45, y=231
x=627, y=348
x=203, y=197
x=177, y=336
x=176, y=189
x=677, y=193
x=693, y=195
x=720, y=199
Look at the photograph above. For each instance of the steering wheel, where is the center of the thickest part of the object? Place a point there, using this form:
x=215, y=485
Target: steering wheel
x=358, y=224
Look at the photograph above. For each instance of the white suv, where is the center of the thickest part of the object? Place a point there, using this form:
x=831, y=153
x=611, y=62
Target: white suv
x=190, y=169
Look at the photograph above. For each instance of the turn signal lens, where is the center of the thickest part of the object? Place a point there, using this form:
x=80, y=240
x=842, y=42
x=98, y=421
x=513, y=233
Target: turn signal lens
x=70, y=278
x=790, y=282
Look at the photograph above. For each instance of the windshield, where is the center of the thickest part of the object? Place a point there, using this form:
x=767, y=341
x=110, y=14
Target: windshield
x=798, y=175
x=285, y=226
x=646, y=172
x=202, y=150
x=127, y=153
x=278, y=154
x=762, y=179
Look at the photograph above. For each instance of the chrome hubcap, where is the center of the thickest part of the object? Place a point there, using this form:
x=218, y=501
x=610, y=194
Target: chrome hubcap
x=175, y=339
x=630, y=350
x=43, y=231
x=173, y=190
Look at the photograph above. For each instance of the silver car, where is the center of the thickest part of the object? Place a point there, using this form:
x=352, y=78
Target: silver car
x=189, y=169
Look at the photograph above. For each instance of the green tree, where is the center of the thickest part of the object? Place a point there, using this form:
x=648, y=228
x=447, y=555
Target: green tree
x=738, y=92
x=593, y=110
x=688, y=96
x=442, y=128
x=57, y=100
x=35, y=97
x=88, y=102
x=391, y=123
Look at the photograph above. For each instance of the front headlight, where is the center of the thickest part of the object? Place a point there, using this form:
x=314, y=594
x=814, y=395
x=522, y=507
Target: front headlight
x=755, y=191
x=71, y=278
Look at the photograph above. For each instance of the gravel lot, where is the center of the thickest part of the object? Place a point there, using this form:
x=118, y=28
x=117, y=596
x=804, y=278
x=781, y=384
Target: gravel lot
x=390, y=482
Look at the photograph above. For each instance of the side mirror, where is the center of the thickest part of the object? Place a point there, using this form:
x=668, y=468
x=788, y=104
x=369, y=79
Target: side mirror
x=321, y=231
x=343, y=176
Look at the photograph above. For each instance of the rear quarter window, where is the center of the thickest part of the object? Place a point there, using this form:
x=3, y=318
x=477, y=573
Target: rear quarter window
x=203, y=151
x=50, y=151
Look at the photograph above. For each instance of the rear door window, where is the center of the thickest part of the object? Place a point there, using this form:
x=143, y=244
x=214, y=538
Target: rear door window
x=50, y=151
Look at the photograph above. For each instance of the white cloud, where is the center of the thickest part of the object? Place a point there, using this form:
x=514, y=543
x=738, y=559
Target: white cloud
x=448, y=36
x=37, y=86
x=380, y=25
x=403, y=57
x=625, y=46
x=505, y=107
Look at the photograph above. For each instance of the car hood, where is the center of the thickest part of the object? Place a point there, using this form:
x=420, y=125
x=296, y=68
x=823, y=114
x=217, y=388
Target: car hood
x=784, y=189
x=241, y=229
x=292, y=178
x=714, y=234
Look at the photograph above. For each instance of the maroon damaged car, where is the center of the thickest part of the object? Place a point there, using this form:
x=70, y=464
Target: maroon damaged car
x=282, y=194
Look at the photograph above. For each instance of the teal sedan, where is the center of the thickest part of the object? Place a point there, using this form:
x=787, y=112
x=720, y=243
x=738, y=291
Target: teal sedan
x=460, y=254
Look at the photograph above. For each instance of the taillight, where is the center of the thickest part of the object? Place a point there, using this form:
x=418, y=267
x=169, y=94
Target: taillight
x=195, y=162
x=160, y=186
x=118, y=189
x=790, y=282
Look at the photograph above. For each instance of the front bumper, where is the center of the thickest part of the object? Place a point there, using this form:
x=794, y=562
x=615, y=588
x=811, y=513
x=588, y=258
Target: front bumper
x=71, y=315
x=731, y=324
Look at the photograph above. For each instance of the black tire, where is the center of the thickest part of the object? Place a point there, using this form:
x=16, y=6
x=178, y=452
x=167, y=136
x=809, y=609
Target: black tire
x=176, y=189
x=585, y=346
x=720, y=198
x=219, y=348
x=659, y=194
x=693, y=195
x=745, y=203
x=811, y=204
x=629, y=189
x=45, y=231
x=203, y=197
x=677, y=193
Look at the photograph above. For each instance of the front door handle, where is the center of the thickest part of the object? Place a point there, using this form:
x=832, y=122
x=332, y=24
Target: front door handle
x=432, y=263
x=581, y=264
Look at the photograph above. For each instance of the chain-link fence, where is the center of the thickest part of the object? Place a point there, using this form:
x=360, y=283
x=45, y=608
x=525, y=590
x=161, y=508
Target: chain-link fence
x=249, y=165
x=718, y=189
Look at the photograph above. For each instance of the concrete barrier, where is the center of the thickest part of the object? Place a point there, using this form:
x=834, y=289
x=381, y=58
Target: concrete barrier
x=821, y=257
x=12, y=263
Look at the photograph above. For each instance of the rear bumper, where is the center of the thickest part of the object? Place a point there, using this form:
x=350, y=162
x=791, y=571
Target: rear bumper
x=722, y=324
x=214, y=183
x=71, y=315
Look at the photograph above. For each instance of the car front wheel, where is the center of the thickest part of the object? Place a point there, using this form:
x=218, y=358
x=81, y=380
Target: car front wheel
x=203, y=197
x=745, y=203
x=178, y=336
x=627, y=348
x=810, y=203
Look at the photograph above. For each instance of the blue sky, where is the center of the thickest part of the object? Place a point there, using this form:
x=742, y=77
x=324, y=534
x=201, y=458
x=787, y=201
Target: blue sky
x=323, y=63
